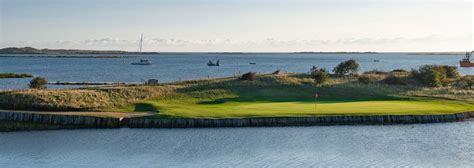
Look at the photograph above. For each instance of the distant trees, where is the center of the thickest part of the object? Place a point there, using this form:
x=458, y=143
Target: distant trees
x=349, y=67
x=38, y=83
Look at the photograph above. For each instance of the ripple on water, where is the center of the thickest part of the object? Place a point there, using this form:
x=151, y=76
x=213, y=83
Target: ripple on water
x=423, y=145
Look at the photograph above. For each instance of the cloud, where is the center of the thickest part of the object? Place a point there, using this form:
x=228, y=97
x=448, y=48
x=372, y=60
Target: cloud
x=427, y=42
x=105, y=41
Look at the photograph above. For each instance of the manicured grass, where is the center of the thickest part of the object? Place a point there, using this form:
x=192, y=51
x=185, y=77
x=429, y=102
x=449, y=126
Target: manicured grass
x=271, y=96
x=189, y=108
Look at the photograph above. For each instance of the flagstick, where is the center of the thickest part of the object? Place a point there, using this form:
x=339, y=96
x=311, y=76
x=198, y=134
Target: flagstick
x=315, y=101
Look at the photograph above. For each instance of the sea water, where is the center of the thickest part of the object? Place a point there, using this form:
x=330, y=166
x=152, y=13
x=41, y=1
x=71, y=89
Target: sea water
x=418, y=145
x=176, y=67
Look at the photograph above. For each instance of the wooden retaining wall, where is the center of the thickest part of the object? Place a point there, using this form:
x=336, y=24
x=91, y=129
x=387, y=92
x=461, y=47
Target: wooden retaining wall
x=292, y=121
x=101, y=122
x=69, y=120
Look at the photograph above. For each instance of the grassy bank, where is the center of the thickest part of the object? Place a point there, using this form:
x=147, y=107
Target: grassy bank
x=267, y=96
x=14, y=75
x=89, y=99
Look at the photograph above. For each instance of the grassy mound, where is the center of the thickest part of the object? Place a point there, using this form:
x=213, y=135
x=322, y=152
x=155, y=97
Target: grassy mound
x=91, y=99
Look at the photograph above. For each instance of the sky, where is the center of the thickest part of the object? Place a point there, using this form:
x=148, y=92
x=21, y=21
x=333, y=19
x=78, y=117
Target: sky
x=239, y=25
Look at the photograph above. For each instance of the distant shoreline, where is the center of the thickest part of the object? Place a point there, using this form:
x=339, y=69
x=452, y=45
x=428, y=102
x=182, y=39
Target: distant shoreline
x=63, y=56
x=30, y=50
x=14, y=75
x=70, y=52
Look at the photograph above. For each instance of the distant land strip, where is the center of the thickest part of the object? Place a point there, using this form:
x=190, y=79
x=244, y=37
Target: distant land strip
x=14, y=75
x=30, y=50
x=68, y=52
x=66, y=56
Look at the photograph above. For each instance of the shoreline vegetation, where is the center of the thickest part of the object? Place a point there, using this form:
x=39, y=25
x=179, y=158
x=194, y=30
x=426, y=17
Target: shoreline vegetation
x=14, y=75
x=432, y=93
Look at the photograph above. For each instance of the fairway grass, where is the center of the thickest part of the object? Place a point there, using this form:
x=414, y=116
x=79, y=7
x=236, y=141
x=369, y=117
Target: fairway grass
x=305, y=109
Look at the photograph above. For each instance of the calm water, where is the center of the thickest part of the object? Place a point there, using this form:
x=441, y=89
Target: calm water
x=173, y=67
x=424, y=145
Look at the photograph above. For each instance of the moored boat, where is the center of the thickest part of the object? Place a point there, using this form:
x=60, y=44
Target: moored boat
x=466, y=61
x=210, y=63
x=142, y=62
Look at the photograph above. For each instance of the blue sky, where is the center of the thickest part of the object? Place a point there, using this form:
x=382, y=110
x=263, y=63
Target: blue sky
x=239, y=25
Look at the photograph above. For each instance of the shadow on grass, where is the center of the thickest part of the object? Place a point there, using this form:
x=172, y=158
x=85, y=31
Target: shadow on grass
x=321, y=101
x=268, y=88
x=145, y=107
x=305, y=94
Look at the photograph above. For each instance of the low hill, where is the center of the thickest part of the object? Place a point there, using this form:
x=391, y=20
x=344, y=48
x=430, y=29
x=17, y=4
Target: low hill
x=30, y=50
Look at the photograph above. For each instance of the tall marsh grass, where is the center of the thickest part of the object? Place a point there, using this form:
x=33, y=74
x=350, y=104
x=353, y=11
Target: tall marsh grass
x=79, y=99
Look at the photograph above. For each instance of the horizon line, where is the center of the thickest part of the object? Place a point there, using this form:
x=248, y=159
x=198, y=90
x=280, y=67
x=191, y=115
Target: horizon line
x=244, y=52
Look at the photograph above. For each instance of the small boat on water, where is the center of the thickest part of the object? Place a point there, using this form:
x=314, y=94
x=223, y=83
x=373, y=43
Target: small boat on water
x=376, y=60
x=466, y=61
x=210, y=63
x=252, y=63
x=142, y=62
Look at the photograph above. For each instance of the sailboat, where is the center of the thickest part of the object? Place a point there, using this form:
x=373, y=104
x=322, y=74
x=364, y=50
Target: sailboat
x=210, y=63
x=466, y=61
x=142, y=61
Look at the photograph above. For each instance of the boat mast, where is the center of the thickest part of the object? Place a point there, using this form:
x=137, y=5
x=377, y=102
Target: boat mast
x=140, y=45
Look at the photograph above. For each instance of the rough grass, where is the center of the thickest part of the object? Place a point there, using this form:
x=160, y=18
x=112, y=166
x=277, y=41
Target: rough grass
x=92, y=99
x=267, y=95
x=450, y=93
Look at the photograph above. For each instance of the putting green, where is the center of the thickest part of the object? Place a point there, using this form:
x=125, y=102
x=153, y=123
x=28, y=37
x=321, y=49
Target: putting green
x=280, y=109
